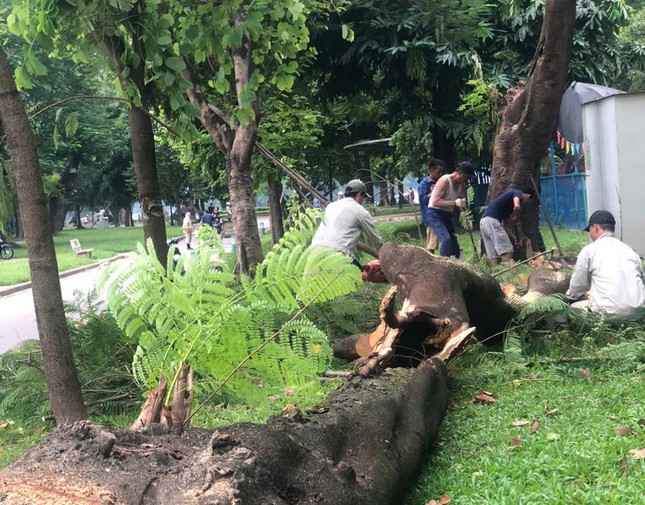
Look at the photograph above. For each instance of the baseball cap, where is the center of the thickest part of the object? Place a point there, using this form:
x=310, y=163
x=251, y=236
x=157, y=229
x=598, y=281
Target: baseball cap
x=601, y=217
x=356, y=186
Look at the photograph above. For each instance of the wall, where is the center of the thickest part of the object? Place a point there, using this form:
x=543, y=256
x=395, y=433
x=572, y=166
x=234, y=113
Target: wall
x=614, y=131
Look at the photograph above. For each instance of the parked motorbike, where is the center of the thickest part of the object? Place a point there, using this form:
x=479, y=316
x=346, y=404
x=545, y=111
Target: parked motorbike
x=6, y=251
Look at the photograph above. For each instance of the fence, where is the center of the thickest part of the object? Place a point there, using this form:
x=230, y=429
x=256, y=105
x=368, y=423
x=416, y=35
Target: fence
x=564, y=197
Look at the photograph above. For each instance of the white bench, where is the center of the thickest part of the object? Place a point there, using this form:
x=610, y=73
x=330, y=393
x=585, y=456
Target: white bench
x=76, y=247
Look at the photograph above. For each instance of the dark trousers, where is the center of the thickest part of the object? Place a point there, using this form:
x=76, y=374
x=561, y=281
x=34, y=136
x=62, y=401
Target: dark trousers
x=442, y=224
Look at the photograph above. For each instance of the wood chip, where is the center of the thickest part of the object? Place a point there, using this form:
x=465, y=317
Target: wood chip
x=535, y=425
x=520, y=422
x=623, y=431
x=638, y=453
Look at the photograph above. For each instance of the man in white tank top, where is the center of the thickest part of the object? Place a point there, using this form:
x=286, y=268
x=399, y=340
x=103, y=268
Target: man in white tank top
x=448, y=193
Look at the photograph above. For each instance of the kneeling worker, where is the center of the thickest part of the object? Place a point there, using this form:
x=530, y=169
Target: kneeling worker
x=607, y=271
x=496, y=241
x=345, y=220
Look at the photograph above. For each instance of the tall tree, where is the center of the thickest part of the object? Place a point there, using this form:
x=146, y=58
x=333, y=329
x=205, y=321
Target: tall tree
x=531, y=110
x=116, y=30
x=60, y=372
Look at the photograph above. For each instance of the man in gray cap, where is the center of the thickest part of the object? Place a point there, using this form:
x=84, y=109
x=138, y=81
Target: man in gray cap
x=608, y=274
x=345, y=220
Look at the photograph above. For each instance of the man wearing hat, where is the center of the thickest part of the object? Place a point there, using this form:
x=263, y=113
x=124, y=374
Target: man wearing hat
x=448, y=193
x=345, y=220
x=607, y=271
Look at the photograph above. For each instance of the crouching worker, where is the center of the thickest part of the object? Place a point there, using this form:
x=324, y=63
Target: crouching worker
x=345, y=220
x=608, y=273
x=496, y=241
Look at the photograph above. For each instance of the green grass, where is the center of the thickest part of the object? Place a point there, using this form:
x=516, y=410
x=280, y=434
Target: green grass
x=106, y=243
x=16, y=439
x=575, y=456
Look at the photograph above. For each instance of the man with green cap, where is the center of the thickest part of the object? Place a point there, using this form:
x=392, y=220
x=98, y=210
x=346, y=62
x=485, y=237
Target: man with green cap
x=345, y=220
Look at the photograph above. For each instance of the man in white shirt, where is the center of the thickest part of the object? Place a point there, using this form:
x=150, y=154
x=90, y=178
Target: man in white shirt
x=607, y=271
x=345, y=220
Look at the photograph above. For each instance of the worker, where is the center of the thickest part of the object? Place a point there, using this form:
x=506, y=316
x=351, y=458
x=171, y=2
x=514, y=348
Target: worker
x=435, y=171
x=608, y=273
x=496, y=241
x=345, y=220
x=448, y=193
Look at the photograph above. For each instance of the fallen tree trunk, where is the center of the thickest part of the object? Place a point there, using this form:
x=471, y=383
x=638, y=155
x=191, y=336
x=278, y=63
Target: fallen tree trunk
x=443, y=301
x=362, y=445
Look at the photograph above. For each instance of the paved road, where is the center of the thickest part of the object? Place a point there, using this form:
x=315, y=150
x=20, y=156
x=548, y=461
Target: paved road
x=17, y=316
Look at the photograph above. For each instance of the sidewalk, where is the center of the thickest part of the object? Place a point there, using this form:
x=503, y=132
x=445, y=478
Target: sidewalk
x=10, y=290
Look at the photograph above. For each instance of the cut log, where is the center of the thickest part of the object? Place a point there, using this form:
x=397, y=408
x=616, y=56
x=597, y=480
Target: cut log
x=443, y=302
x=362, y=445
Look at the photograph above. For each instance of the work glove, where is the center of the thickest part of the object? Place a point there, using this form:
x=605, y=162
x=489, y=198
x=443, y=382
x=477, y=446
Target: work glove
x=461, y=203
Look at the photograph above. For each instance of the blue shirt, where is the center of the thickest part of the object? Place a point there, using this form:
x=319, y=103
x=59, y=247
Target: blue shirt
x=425, y=188
x=207, y=219
x=502, y=207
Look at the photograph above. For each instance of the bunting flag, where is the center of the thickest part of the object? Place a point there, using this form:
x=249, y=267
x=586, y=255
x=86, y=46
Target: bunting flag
x=558, y=137
x=568, y=147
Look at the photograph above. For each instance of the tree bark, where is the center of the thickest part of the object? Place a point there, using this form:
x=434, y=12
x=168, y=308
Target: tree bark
x=530, y=112
x=443, y=302
x=60, y=372
x=144, y=161
x=275, y=210
x=237, y=146
x=364, y=444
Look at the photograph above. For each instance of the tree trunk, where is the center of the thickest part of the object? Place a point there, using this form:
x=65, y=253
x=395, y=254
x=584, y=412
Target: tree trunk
x=60, y=372
x=530, y=112
x=237, y=146
x=77, y=212
x=275, y=210
x=144, y=161
x=57, y=212
x=145, y=170
x=443, y=301
x=363, y=445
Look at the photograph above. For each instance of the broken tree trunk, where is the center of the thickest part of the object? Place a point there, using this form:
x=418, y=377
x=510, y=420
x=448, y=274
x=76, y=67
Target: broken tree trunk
x=362, y=445
x=443, y=302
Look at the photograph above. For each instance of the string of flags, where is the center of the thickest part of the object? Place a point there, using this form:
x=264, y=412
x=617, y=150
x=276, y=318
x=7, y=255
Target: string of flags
x=569, y=147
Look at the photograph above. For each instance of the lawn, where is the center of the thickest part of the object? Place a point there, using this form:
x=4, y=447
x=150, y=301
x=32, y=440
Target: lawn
x=557, y=433
x=106, y=243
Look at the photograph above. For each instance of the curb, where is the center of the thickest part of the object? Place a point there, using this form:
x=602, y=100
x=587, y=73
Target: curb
x=10, y=290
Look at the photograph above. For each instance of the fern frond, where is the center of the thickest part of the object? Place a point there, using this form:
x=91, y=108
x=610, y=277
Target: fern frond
x=630, y=351
x=545, y=305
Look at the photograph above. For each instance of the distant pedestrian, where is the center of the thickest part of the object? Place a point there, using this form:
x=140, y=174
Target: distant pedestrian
x=316, y=203
x=187, y=228
x=207, y=218
x=217, y=220
x=229, y=210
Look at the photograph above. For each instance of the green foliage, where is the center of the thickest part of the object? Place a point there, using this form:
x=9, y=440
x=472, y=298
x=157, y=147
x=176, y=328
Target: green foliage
x=200, y=313
x=479, y=106
x=7, y=191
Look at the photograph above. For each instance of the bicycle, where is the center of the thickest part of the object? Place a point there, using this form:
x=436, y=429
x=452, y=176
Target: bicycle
x=6, y=251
